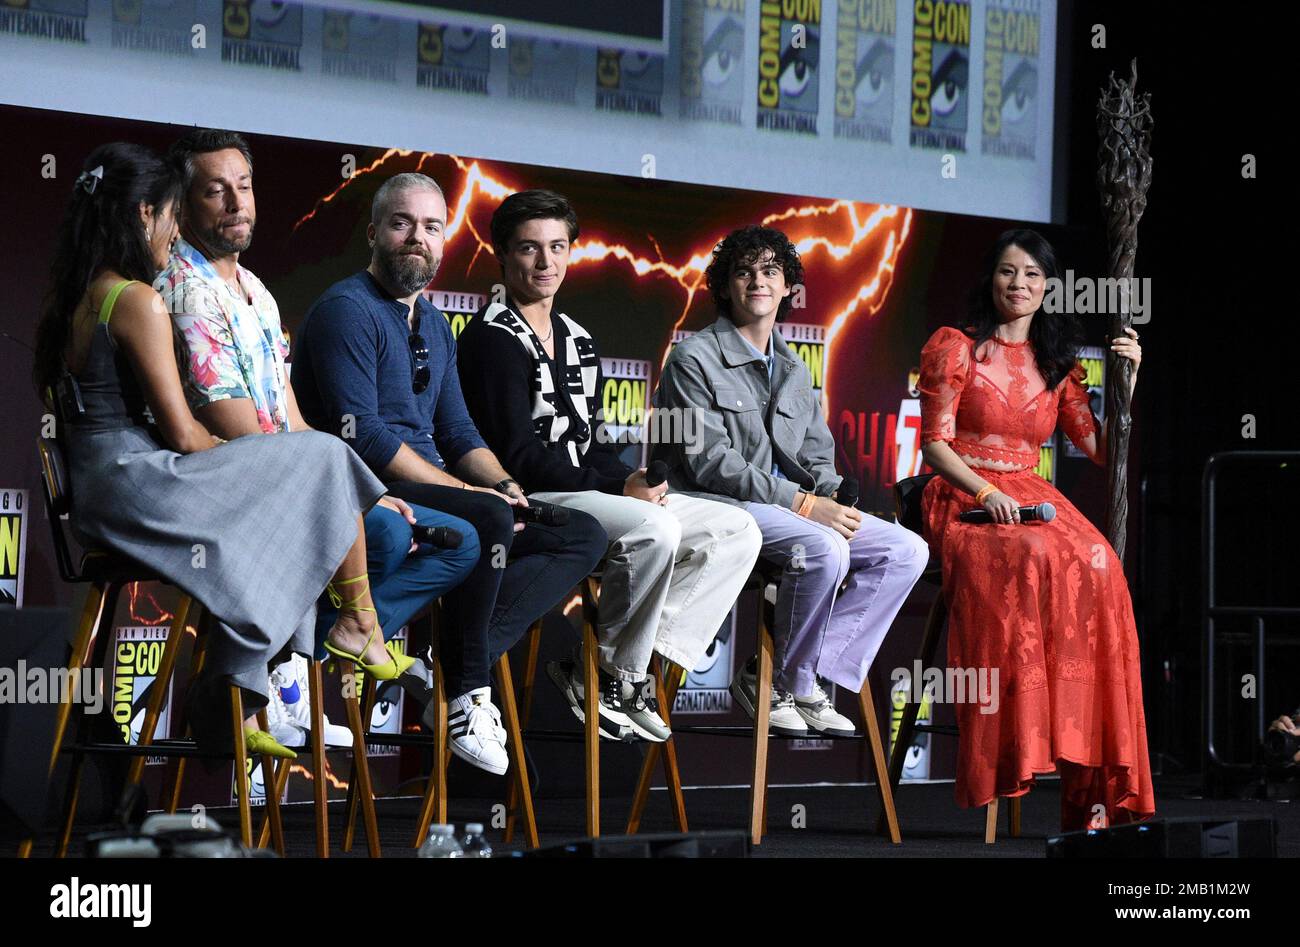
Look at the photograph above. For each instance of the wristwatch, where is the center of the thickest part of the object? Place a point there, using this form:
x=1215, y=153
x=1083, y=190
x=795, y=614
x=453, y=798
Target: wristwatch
x=501, y=487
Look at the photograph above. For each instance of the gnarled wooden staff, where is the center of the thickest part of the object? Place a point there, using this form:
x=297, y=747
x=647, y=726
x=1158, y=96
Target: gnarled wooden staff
x=1123, y=176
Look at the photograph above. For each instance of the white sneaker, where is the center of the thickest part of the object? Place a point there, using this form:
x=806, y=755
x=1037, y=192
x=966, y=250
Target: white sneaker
x=820, y=714
x=477, y=736
x=783, y=718
x=288, y=680
x=279, y=725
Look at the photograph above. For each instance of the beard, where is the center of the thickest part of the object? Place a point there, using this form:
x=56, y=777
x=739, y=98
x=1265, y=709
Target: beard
x=215, y=241
x=405, y=270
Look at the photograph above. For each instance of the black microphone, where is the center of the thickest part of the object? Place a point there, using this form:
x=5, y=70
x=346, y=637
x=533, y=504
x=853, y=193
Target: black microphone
x=847, y=494
x=1043, y=512
x=444, y=537
x=546, y=515
x=656, y=473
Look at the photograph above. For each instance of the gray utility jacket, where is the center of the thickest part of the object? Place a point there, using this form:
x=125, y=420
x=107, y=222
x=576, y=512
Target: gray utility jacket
x=744, y=424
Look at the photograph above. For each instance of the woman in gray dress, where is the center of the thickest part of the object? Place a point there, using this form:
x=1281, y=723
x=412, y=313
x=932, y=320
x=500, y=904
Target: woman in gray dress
x=255, y=528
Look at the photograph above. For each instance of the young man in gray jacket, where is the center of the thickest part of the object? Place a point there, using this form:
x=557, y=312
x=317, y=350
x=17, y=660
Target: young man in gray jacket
x=768, y=450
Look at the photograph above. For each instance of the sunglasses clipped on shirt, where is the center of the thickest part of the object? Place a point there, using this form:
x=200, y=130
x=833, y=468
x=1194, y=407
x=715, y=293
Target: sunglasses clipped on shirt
x=420, y=352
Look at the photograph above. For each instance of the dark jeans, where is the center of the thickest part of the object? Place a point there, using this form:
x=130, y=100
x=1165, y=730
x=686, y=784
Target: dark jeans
x=518, y=579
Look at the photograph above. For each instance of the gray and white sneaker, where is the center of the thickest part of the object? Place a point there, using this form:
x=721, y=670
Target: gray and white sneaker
x=614, y=723
x=821, y=715
x=477, y=737
x=783, y=718
x=636, y=701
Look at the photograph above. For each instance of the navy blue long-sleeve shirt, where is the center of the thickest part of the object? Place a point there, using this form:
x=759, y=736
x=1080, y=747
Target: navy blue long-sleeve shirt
x=353, y=359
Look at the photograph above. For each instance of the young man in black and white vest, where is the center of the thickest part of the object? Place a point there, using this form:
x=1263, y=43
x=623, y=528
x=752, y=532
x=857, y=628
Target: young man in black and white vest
x=532, y=382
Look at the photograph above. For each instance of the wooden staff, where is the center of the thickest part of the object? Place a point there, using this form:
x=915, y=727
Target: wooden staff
x=1123, y=177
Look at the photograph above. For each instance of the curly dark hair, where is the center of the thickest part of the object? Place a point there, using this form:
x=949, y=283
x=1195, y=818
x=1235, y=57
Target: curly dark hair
x=1055, y=337
x=101, y=230
x=744, y=246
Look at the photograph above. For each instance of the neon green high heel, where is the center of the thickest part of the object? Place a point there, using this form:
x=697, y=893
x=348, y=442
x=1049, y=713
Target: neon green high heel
x=391, y=669
x=261, y=743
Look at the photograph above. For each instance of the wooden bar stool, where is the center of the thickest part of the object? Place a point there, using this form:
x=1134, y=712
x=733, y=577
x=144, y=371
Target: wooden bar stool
x=105, y=575
x=764, y=580
x=433, y=805
x=907, y=503
x=590, y=595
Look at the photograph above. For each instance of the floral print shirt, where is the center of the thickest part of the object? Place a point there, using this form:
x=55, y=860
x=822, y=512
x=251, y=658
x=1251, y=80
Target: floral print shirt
x=233, y=344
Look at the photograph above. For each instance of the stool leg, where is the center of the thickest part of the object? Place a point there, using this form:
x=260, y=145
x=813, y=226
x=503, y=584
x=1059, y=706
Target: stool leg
x=241, y=767
x=196, y=666
x=530, y=677
x=281, y=780
x=316, y=690
x=367, y=714
x=434, y=804
x=270, y=776
x=99, y=653
x=991, y=822
x=159, y=687
x=762, y=711
x=518, y=760
x=591, y=708
x=672, y=775
x=86, y=623
x=362, y=765
x=868, y=707
x=907, y=725
x=665, y=694
x=1013, y=817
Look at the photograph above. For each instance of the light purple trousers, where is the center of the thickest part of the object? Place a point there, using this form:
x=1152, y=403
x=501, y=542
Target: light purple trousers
x=818, y=632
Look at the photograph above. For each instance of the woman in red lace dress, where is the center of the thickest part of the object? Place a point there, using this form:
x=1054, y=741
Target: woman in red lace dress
x=1045, y=604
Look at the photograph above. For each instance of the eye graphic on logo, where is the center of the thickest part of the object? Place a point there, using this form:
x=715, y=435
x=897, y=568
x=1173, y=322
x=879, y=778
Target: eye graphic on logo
x=272, y=13
x=388, y=699
x=799, y=68
x=635, y=64
x=795, y=76
x=722, y=52
x=459, y=38
x=875, y=70
x=710, y=657
x=257, y=781
x=1018, y=93
x=949, y=84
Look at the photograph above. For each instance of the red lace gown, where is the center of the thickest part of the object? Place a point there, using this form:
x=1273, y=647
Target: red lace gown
x=1046, y=604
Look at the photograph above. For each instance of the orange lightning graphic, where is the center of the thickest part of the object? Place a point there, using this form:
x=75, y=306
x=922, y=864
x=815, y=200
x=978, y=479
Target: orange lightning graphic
x=883, y=228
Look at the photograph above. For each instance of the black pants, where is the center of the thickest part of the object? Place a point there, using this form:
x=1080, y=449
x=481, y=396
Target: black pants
x=518, y=579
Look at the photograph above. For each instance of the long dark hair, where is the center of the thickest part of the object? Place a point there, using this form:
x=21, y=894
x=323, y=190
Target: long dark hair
x=1055, y=337
x=101, y=229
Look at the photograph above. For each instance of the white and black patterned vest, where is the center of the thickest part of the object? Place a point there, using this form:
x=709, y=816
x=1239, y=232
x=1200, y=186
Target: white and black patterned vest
x=563, y=409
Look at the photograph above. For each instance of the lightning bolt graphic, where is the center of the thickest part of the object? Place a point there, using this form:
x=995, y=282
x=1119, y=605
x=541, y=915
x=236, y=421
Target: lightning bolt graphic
x=883, y=228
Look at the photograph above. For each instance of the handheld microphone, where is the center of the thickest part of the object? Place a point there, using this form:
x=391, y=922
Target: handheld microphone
x=847, y=494
x=546, y=515
x=1043, y=512
x=444, y=537
x=656, y=473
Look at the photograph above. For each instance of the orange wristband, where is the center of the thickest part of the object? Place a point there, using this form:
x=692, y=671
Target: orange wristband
x=806, y=506
x=985, y=492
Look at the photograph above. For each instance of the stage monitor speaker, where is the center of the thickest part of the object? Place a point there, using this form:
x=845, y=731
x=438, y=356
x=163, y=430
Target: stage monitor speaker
x=36, y=637
x=690, y=845
x=1171, y=838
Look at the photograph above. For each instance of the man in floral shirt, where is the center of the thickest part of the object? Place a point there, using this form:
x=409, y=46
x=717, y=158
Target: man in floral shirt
x=233, y=363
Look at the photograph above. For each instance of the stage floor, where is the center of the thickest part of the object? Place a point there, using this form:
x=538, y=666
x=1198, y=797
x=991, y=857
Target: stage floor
x=838, y=821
